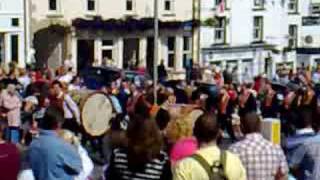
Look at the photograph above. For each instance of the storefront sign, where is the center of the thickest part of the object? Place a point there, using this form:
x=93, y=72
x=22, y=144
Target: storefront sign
x=310, y=21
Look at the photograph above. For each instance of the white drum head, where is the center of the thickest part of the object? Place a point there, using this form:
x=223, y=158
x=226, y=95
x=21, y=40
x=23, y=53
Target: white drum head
x=96, y=113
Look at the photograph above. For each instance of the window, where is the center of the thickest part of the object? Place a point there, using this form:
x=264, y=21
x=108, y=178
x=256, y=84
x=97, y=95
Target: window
x=258, y=4
x=1, y=48
x=91, y=5
x=293, y=6
x=315, y=8
x=186, y=50
x=257, y=28
x=129, y=5
x=293, y=36
x=53, y=5
x=221, y=3
x=14, y=48
x=171, y=51
x=168, y=5
x=220, y=30
x=107, y=49
x=15, y=22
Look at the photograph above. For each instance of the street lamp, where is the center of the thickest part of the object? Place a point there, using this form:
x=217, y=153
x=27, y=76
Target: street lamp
x=155, y=51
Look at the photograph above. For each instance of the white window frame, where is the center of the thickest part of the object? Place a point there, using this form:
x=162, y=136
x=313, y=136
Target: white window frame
x=172, y=7
x=171, y=52
x=293, y=6
x=293, y=37
x=220, y=29
x=258, y=29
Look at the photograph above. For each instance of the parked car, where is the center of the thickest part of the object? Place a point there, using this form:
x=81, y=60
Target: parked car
x=97, y=77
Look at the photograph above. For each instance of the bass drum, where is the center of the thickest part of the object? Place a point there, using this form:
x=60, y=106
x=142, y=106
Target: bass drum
x=96, y=111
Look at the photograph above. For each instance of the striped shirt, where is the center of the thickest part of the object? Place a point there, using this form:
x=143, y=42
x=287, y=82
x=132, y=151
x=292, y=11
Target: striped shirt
x=157, y=169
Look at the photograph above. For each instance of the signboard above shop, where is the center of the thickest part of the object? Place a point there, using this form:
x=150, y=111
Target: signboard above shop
x=310, y=21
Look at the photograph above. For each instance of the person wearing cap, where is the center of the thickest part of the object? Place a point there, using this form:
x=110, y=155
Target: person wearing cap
x=11, y=102
x=29, y=123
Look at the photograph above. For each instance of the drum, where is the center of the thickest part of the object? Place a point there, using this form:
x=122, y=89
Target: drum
x=96, y=110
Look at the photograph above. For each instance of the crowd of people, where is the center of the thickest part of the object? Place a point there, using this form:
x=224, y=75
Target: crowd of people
x=180, y=135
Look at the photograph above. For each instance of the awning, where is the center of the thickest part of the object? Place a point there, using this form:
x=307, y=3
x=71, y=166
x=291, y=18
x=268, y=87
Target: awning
x=130, y=24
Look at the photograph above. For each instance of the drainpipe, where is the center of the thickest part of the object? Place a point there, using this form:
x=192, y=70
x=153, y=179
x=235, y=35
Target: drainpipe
x=196, y=10
x=27, y=17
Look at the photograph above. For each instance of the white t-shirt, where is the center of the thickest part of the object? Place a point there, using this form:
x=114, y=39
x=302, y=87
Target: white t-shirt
x=316, y=77
x=87, y=164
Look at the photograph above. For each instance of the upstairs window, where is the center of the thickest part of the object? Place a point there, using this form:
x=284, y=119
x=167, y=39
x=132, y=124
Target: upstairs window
x=220, y=31
x=53, y=5
x=91, y=5
x=259, y=4
x=129, y=5
x=293, y=36
x=171, y=51
x=15, y=22
x=293, y=6
x=258, y=28
x=168, y=5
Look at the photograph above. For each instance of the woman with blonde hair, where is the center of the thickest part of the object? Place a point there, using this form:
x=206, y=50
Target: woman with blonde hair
x=87, y=164
x=179, y=133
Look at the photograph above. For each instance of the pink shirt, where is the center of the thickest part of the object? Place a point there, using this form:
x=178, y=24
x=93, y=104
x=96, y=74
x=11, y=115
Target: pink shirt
x=13, y=104
x=182, y=149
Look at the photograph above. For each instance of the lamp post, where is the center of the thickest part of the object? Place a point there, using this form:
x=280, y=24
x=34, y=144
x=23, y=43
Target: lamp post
x=155, y=58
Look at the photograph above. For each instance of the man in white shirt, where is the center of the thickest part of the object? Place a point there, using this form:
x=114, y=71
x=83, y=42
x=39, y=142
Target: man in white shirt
x=316, y=76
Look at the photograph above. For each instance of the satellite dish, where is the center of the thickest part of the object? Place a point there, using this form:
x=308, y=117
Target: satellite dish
x=308, y=39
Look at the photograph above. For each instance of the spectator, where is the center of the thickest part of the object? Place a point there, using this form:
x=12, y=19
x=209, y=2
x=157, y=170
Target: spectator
x=316, y=76
x=24, y=78
x=206, y=131
x=11, y=102
x=143, y=158
x=50, y=157
x=87, y=163
x=261, y=158
x=178, y=132
x=303, y=133
x=304, y=162
x=67, y=76
x=75, y=84
x=9, y=157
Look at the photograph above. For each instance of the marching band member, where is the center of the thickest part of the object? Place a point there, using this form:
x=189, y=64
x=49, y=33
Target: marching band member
x=270, y=103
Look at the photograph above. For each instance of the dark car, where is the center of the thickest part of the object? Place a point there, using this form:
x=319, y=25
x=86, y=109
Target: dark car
x=97, y=77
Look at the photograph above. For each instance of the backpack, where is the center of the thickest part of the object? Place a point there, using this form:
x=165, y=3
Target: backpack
x=217, y=170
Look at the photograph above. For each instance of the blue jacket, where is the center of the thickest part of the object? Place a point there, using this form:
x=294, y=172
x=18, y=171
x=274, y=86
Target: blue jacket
x=53, y=159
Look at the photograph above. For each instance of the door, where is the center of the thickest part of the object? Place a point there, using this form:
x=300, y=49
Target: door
x=150, y=55
x=131, y=53
x=85, y=53
x=2, y=50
